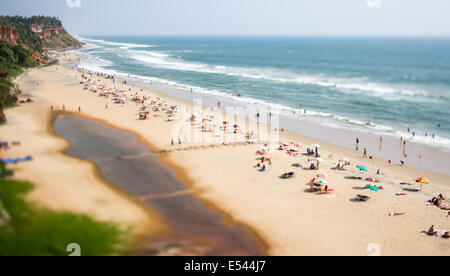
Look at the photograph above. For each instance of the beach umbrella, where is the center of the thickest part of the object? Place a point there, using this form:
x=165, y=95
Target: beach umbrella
x=371, y=179
x=320, y=182
x=373, y=188
x=362, y=168
x=422, y=180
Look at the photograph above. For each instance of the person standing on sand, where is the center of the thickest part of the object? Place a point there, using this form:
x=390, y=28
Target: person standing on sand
x=79, y=109
x=381, y=143
x=365, y=153
x=64, y=107
x=357, y=144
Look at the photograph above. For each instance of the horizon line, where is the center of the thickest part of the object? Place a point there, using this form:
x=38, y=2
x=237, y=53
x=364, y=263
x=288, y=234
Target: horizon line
x=264, y=36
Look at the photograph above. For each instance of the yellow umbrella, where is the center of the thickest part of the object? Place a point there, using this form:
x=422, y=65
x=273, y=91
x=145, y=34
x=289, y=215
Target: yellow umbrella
x=422, y=180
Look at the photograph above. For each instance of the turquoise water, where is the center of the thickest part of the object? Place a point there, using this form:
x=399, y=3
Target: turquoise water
x=342, y=82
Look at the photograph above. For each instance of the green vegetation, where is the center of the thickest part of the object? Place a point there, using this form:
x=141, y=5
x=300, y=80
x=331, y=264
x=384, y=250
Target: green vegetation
x=23, y=26
x=17, y=52
x=33, y=231
x=12, y=60
x=15, y=57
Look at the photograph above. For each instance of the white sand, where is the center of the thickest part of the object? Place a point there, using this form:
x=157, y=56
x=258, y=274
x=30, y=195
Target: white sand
x=292, y=221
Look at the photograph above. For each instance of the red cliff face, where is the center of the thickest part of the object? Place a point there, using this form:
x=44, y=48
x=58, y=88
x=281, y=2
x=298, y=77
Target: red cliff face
x=48, y=32
x=9, y=34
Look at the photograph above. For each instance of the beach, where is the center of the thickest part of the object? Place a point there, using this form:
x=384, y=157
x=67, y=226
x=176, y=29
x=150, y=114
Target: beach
x=223, y=173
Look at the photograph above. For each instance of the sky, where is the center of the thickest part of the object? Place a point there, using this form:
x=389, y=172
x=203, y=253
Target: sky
x=392, y=18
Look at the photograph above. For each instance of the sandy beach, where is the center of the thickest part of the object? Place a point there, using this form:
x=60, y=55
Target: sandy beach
x=283, y=212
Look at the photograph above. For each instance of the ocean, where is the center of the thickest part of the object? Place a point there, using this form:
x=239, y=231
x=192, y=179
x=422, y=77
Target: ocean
x=345, y=83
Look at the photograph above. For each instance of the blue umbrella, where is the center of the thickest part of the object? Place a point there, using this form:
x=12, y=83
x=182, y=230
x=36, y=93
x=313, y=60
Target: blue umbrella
x=373, y=188
x=362, y=168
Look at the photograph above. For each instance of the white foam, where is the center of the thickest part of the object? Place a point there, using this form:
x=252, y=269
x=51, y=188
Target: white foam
x=94, y=64
x=349, y=86
x=124, y=46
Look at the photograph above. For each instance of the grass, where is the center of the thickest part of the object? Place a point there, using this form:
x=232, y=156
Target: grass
x=35, y=231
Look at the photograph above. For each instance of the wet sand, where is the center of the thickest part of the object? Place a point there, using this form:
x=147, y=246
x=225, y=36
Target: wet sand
x=196, y=229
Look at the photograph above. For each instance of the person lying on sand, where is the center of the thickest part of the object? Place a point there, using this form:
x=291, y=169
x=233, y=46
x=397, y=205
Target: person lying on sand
x=362, y=198
x=339, y=167
x=396, y=214
x=446, y=235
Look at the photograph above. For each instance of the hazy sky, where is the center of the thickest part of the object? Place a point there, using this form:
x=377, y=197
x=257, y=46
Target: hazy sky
x=244, y=17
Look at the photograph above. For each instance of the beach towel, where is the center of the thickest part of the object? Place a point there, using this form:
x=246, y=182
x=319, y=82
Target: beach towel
x=16, y=160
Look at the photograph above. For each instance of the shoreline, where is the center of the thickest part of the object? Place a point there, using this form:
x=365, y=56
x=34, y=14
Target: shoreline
x=432, y=158
x=289, y=214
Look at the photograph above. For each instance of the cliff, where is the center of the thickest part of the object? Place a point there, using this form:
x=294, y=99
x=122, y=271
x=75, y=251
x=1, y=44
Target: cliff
x=9, y=34
x=58, y=38
x=23, y=42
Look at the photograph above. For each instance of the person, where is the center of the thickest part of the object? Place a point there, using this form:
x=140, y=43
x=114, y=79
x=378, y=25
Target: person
x=357, y=144
x=64, y=107
x=378, y=172
x=431, y=231
x=79, y=109
x=340, y=167
x=446, y=235
x=173, y=143
x=381, y=143
x=396, y=214
x=365, y=153
x=312, y=167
